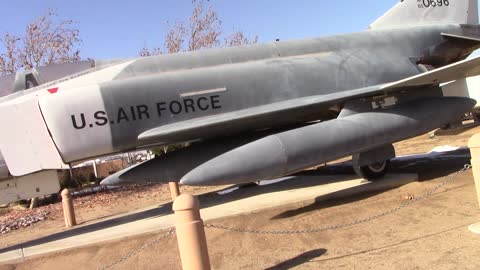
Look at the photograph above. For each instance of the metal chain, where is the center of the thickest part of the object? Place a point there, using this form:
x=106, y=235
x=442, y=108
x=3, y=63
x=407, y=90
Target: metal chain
x=345, y=225
x=316, y=230
x=170, y=232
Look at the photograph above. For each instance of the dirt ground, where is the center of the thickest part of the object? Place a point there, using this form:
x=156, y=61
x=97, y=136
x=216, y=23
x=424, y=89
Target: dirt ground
x=430, y=234
x=90, y=209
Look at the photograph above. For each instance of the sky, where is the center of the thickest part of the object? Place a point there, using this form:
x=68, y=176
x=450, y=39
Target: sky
x=119, y=28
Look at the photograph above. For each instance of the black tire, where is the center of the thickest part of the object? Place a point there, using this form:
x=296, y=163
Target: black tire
x=372, y=172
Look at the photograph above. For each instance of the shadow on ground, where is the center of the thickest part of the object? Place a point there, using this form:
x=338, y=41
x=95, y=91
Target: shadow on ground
x=455, y=131
x=298, y=260
x=423, y=238
x=427, y=168
x=82, y=229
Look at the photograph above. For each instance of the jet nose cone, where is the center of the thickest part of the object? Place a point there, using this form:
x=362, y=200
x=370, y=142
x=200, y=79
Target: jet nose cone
x=188, y=182
x=117, y=179
x=110, y=181
x=470, y=103
x=261, y=159
x=201, y=177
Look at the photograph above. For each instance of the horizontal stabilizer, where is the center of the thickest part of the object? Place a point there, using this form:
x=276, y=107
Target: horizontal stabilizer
x=460, y=70
x=453, y=37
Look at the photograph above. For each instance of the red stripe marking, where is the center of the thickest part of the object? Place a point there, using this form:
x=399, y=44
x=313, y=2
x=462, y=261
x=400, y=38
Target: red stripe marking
x=53, y=90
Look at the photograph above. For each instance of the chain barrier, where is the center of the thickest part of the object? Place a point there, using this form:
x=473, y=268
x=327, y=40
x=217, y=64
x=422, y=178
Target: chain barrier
x=345, y=225
x=170, y=232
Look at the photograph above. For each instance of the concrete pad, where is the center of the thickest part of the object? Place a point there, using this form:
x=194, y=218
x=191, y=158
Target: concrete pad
x=319, y=192
x=14, y=256
x=298, y=189
x=118, y=232
x=475, y=228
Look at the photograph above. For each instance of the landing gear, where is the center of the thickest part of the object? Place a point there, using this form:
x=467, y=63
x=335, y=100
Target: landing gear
x=373, y=164
x=373, y=171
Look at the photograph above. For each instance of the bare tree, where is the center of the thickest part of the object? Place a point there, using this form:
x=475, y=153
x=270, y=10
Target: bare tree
x=238, y=38
x=146, y=52
x=46, y=41
x=9, y=59
x=203, y=30
x=175, y=38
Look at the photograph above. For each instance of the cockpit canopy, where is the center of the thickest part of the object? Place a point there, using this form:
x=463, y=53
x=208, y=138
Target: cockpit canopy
x=24, y=80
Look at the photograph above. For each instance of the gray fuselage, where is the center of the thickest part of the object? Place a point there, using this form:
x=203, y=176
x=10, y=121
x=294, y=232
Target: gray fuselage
x=156, y=91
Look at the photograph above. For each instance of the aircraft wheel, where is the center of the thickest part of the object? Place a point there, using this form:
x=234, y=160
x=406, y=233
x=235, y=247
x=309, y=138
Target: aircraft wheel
x=373, y=171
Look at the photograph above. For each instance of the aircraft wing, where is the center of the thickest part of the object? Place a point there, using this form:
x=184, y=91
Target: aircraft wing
x=288, y=111
x=256, y=117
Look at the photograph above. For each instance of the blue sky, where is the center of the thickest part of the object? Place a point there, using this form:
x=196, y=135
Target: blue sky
x=115, y=29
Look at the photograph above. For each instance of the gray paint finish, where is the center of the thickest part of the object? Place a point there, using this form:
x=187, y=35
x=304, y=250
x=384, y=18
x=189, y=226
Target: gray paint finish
x=270, y=74
x=148, y=93
x=301, y=86
x=294, y=150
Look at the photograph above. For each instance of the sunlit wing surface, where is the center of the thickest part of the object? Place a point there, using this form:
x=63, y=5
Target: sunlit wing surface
x=276, y=113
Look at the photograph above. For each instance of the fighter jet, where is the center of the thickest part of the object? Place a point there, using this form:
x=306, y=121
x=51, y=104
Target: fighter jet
x=259, y=111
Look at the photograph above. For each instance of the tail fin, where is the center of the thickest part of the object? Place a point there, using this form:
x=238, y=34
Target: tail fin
x=423, y=12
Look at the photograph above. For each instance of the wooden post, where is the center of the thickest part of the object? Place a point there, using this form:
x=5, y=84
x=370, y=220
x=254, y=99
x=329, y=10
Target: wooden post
x=192, y=242
x=474, y=145
x=174, y=190
x=34, y=203
x=68, y=211
x=95, y=170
